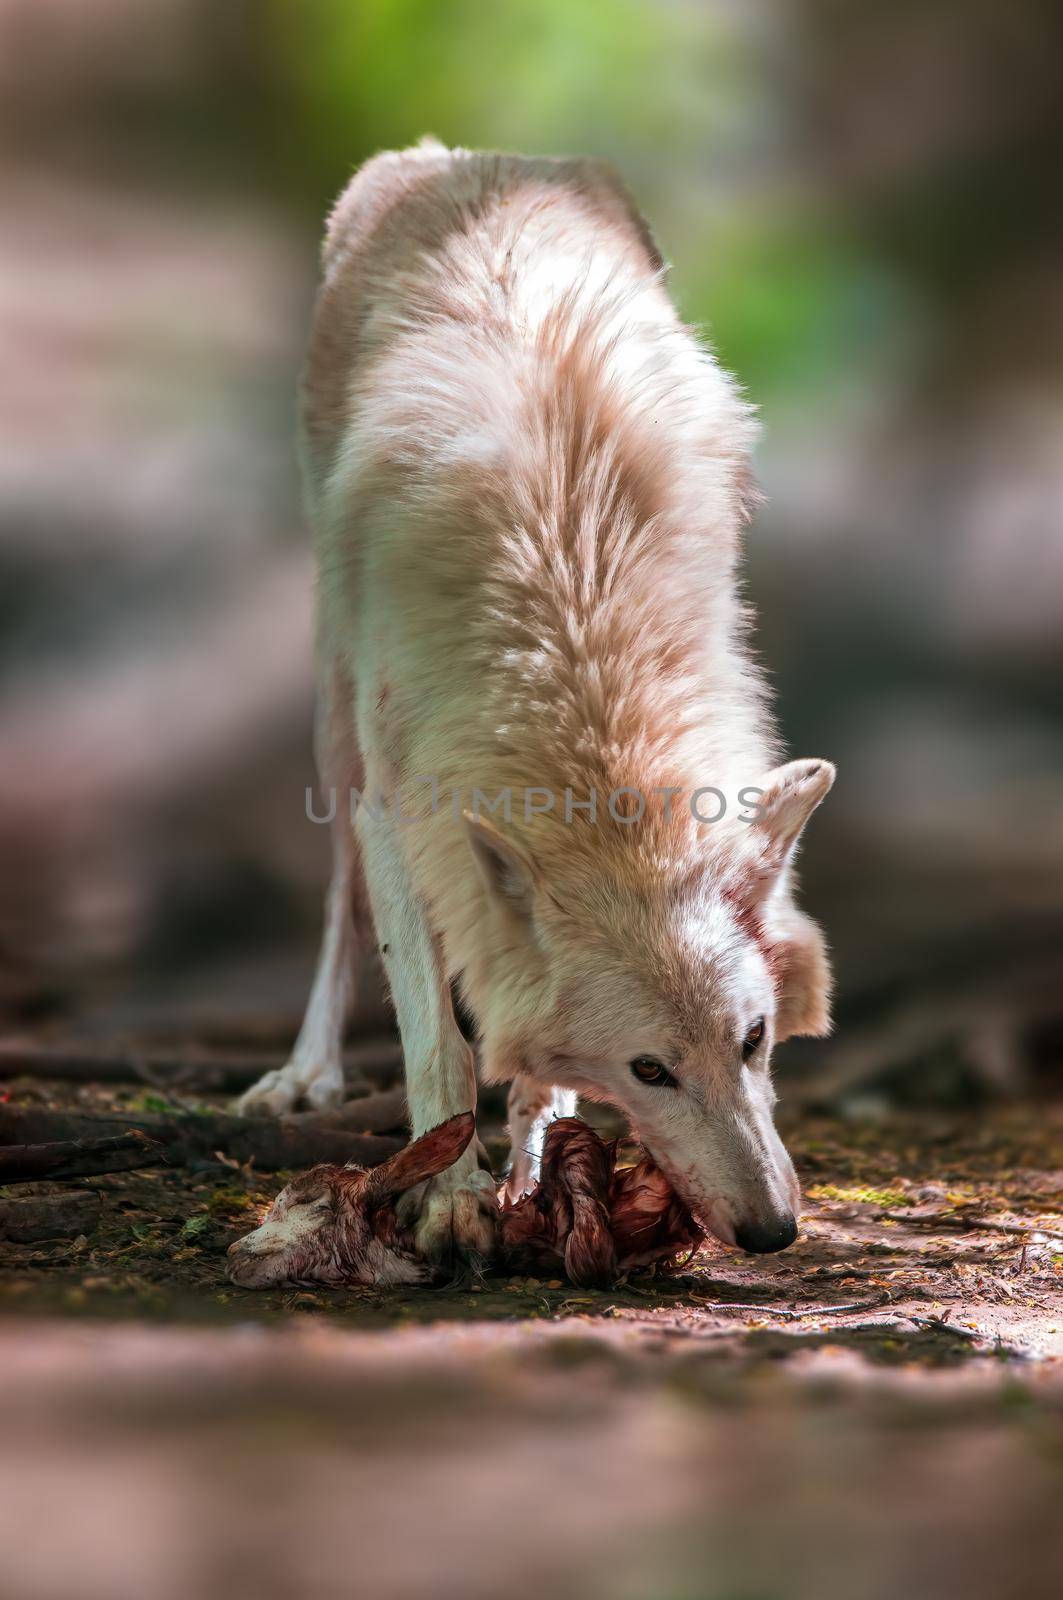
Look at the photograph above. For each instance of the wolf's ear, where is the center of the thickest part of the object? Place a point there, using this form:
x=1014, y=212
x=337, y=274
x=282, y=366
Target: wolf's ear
x=788, y=798
x=803, y=975
x=506, y=871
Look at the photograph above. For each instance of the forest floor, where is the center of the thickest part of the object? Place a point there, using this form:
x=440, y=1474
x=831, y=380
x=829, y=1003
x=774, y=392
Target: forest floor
x=876, y=1412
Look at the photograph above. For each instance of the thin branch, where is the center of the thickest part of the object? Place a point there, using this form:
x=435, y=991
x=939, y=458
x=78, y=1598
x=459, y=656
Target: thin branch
x=960, y=1224
x=793, y=1316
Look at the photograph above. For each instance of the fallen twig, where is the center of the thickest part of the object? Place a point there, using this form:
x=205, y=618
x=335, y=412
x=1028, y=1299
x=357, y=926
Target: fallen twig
x=973, y=1336
x=939, y=1325
x=961, y=1224
x=79, y=1158
x=793, y=1316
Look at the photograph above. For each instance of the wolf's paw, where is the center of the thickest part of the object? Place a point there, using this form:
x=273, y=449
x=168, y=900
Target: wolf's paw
x=455, y=1214
x=317, y=1085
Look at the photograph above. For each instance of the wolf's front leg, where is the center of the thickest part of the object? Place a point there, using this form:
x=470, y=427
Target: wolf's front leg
x=456, y=1211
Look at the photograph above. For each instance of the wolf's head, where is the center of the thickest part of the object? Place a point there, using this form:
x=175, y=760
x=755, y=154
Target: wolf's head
x=663, y=992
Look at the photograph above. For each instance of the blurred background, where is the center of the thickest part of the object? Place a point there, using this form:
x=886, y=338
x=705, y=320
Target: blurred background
x=861, y=204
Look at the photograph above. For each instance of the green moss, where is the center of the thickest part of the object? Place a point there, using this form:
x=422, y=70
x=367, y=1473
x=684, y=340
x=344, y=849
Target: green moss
x=147, y=1101
x=858, y=1195
x=150, y=1102
x=228, y=1199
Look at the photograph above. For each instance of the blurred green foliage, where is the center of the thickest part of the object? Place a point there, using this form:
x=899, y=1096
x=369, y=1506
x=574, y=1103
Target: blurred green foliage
x=604, y=76
x=786, y=306
x=818, y=172
x=669, y=92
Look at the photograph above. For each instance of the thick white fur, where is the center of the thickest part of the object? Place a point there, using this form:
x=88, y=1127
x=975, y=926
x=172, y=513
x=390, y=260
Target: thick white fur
x=527, y=480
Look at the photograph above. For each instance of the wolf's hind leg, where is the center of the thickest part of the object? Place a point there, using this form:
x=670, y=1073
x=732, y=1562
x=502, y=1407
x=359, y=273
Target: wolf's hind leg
x=314, y=1073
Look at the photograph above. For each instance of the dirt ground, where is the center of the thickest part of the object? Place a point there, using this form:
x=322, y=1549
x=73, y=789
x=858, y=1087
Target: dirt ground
x=874, y=1413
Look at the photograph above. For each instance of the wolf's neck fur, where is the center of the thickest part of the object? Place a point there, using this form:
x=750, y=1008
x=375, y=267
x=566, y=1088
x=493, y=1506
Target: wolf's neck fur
x=612, y=640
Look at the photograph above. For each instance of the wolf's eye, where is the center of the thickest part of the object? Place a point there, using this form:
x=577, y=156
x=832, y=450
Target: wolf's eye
x=647, y=1069
x=752, y=1038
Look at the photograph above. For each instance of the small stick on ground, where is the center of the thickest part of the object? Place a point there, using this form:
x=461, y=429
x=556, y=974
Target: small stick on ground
x=959, y=1224
x=939, y=1325
x=794, y=1316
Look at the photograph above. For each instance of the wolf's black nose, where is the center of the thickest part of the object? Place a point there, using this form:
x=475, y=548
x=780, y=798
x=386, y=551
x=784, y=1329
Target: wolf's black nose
x=761, y=1238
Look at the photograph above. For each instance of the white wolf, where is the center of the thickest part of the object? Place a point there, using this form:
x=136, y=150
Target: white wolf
x=527, y=480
